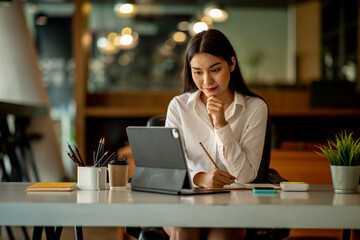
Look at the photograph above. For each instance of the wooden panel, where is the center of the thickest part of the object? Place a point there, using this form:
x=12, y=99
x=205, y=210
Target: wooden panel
x=109, y=111
x=285, y=98
x=301, y=166
x=81, y=49
x=312, y=234
x=308, y=41
x=295, y=102
x=290, y=102
x=124, y=112
x=129, y=104
x=144, y=99
x=315, y=112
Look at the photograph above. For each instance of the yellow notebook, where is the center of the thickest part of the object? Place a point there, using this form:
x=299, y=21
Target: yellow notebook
x=52, y=187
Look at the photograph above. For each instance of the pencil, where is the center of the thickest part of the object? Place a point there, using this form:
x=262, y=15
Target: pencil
x=72, y=152
x=72, y=158
x=102, y=157
x=216, y=166
x=94, y=160
x=98, y=150
x=109, y=159
x=81, y=161
x=102, y=147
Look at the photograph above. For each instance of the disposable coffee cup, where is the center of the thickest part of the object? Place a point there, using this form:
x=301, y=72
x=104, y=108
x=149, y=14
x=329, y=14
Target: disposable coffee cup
x=118, y=173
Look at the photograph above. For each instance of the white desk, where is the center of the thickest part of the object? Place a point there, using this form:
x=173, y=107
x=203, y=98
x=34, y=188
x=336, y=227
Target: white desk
x=318, y=208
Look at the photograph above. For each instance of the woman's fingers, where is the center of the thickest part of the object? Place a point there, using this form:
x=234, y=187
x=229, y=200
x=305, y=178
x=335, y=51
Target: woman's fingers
x=221, y=178
x=215, y=107
x=226, y=177
x=214, y=103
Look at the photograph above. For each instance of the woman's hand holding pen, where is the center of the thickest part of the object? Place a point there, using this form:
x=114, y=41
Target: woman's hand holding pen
x=215, y=108
x=214, y=179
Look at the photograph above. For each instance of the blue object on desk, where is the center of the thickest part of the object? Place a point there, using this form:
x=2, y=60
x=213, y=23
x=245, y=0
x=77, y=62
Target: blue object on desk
x=262, y=190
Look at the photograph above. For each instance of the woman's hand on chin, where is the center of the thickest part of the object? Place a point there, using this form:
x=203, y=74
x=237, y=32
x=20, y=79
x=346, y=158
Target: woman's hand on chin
x=215, y=108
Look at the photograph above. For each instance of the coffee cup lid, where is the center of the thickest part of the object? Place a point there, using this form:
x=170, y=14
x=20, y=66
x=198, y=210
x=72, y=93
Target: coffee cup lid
x=119, y=161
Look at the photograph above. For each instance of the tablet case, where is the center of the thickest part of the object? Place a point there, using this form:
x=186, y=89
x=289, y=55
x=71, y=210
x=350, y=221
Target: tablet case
x=160, y=164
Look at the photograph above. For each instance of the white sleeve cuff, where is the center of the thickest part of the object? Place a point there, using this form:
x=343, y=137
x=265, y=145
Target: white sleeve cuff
x=225, y=135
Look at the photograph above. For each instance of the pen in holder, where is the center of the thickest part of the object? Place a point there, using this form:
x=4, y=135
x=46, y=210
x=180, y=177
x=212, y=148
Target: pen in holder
x=92, y=177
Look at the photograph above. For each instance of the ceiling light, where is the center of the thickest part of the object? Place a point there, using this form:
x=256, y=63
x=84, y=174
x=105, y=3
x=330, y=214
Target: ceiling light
x=111, y=36
x=125, y=10
x=102, y=42
x=200, y=26
x=179, y=37
x=196, y=27
x=126, y=39
x=217, y=14
x=126, y=30
x=183, y=25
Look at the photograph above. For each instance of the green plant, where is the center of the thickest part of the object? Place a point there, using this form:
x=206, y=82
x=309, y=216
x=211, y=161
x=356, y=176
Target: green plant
x=345, y=151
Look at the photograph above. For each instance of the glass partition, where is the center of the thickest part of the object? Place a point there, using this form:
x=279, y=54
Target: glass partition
x=140, y=46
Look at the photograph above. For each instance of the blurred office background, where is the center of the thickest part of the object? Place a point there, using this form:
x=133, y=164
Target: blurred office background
x=108, y=64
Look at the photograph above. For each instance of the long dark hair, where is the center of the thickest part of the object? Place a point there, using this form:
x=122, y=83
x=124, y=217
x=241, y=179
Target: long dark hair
x=213, y=42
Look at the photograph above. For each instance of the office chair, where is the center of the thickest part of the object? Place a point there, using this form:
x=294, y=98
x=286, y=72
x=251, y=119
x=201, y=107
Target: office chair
x=265, y=175
x=14, y=145
x=156, y=121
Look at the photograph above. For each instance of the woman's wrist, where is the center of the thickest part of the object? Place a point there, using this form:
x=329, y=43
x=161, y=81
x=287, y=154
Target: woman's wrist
x=220, y=125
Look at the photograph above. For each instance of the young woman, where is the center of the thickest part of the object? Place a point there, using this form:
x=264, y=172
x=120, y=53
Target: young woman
x=218, y=110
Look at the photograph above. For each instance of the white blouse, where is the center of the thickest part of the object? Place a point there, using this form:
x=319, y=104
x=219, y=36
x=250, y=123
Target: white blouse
x=242, y=138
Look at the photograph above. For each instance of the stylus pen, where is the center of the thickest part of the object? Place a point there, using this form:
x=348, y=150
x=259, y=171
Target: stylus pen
x=216, y=166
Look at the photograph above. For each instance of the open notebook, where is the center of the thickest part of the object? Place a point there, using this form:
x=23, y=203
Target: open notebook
x=160, y=164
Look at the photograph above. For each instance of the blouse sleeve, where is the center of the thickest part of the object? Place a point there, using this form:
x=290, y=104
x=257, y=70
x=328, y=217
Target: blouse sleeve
x=173, y=116
x=242, y=155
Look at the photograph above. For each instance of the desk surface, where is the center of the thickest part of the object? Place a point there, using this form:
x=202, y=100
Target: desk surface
x=317, y=208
